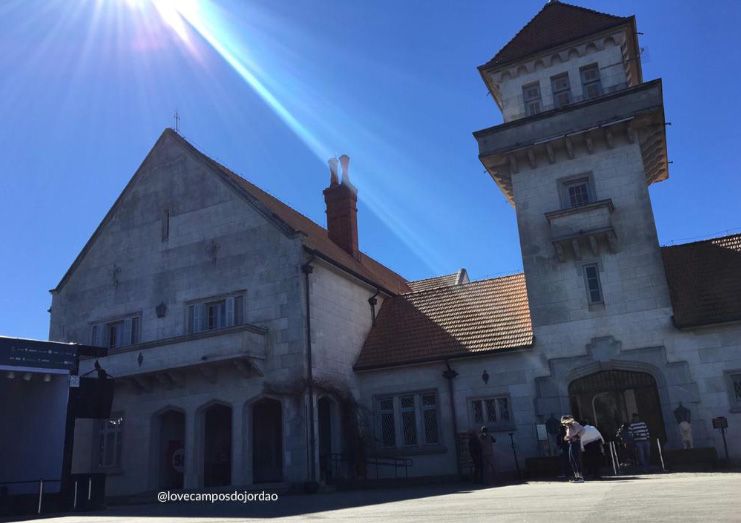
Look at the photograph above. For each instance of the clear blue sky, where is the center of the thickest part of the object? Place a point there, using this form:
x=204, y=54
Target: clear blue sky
x=272, y=89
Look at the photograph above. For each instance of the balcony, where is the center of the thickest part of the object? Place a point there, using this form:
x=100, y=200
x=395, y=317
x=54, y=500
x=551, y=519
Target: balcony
x=166, y=361
x=586, y=227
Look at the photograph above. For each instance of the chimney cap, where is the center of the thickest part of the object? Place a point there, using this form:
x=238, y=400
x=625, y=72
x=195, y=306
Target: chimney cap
x=345, y=163
x=333, y=180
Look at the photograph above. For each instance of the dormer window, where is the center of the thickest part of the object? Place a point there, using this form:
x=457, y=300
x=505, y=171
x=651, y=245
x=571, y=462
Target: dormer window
x=531, y=97
x=561, y=89
x=591, y=83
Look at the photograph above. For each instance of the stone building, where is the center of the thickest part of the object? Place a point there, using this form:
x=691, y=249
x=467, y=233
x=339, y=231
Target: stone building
x=250, y=345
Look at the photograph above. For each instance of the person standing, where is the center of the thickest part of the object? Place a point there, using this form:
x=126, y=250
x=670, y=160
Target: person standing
x=592, y=444
x=641, y=440
x=487, y=456
x=474, y=449
x=573, y=437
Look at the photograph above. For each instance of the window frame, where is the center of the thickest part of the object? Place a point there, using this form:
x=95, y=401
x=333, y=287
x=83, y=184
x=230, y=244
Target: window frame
x=102, y=429
x=600, y=287
x=128, y=331
x=586, y=84
x=232, y=308
x=528, y=100
x=563, y=189
x=499, y=425
x=556, y=92
x=422, y=440
x=734, y=400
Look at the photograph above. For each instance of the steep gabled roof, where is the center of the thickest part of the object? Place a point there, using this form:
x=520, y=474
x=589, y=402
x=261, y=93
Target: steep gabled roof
x=705, y=281
x=450, y=322
x=555, y=24
x=315, y=237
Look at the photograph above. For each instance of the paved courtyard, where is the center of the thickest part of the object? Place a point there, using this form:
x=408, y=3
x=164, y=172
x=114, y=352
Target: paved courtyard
x=675, y=497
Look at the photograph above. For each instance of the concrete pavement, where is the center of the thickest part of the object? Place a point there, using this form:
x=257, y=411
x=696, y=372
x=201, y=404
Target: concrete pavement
x=675, y=497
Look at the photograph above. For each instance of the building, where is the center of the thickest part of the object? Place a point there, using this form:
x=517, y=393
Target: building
x=44, y=395
x=252, y=346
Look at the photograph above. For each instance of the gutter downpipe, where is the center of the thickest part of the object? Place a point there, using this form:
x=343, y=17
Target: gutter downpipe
x=307, y=269
x=449, y=374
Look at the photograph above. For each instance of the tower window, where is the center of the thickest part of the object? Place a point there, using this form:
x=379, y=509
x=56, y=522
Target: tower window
x=165, y=224
x=576, y=192
x=594, y=287
x=531, y=98
x=591, y=83
x=561, y=89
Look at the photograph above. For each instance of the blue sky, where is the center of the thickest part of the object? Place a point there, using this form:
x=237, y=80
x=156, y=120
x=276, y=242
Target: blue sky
x=272, y=89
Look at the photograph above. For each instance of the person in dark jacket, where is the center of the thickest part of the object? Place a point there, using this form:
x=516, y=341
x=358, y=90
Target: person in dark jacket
x=474, y=449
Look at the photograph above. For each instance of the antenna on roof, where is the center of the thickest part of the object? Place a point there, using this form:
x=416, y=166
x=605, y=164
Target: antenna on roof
x=177, y=121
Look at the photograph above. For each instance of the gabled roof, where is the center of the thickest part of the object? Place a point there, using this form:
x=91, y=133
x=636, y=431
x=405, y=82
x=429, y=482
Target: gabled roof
x=705, y=281
x=446, y=280
x=315, y=237
x=449, y=322
x=555, y=24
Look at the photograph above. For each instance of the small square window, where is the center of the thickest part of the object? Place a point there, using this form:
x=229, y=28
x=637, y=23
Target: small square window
x=492, y=411
x=594, y=287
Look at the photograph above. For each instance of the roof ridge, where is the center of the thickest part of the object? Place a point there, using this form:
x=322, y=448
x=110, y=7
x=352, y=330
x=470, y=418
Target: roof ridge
x=461, y=285
x=435, y=277
x=705, y=240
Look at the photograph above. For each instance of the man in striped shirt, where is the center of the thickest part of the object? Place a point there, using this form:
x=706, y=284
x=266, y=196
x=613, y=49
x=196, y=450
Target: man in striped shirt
x=641, y=439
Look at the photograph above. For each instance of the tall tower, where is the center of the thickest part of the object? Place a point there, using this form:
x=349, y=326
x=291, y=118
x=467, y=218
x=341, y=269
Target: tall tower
x=583, y=137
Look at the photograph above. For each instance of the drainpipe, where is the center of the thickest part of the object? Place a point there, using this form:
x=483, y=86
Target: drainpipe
x=449, y=374
x=373, y=302
x=307, y=269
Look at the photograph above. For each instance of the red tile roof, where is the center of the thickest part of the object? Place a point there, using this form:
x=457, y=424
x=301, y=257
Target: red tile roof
x=446, y=280
x=705, y=280
x=556, y=24
x=450, y=321
x=316, y=236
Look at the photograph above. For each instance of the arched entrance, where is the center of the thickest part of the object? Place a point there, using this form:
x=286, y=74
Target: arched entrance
x=267, y=441
x=217, y=448
x=607, y=399
x=171, y=447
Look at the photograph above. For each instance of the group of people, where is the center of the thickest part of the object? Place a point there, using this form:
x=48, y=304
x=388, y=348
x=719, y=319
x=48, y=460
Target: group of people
x=582, y=446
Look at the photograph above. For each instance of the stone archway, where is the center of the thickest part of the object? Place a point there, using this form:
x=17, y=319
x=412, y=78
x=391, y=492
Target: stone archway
x=217, y=445
x=170, y=449
x=608, y=398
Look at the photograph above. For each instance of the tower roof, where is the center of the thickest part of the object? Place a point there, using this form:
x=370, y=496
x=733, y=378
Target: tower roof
x=555, y=24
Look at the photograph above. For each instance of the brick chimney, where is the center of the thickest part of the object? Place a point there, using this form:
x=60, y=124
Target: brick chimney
x=341, y=198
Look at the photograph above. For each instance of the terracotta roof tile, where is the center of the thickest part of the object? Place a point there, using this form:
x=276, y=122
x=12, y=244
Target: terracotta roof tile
x=705, y=280
x=450, y=321
x=446, y=280
x=316, y=236
x=555, y=24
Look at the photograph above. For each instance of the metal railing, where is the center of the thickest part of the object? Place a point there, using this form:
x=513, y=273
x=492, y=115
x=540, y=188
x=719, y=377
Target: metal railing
x=337, y=466
x=79, y=493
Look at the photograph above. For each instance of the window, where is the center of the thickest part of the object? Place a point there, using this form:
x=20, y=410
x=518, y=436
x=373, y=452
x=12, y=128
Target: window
x=531, y=97
x=736, y=381
x=216, y=313
x=118, y=333
x=490, y=411
x=594, y=287
x=110, y=434
x=561, y=89
x=408, y=420
x=576, y=192
x=733, y=379
x=591, y=84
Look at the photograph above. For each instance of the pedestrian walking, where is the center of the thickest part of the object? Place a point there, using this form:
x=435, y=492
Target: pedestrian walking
x=573, y=437
x=641, y=440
